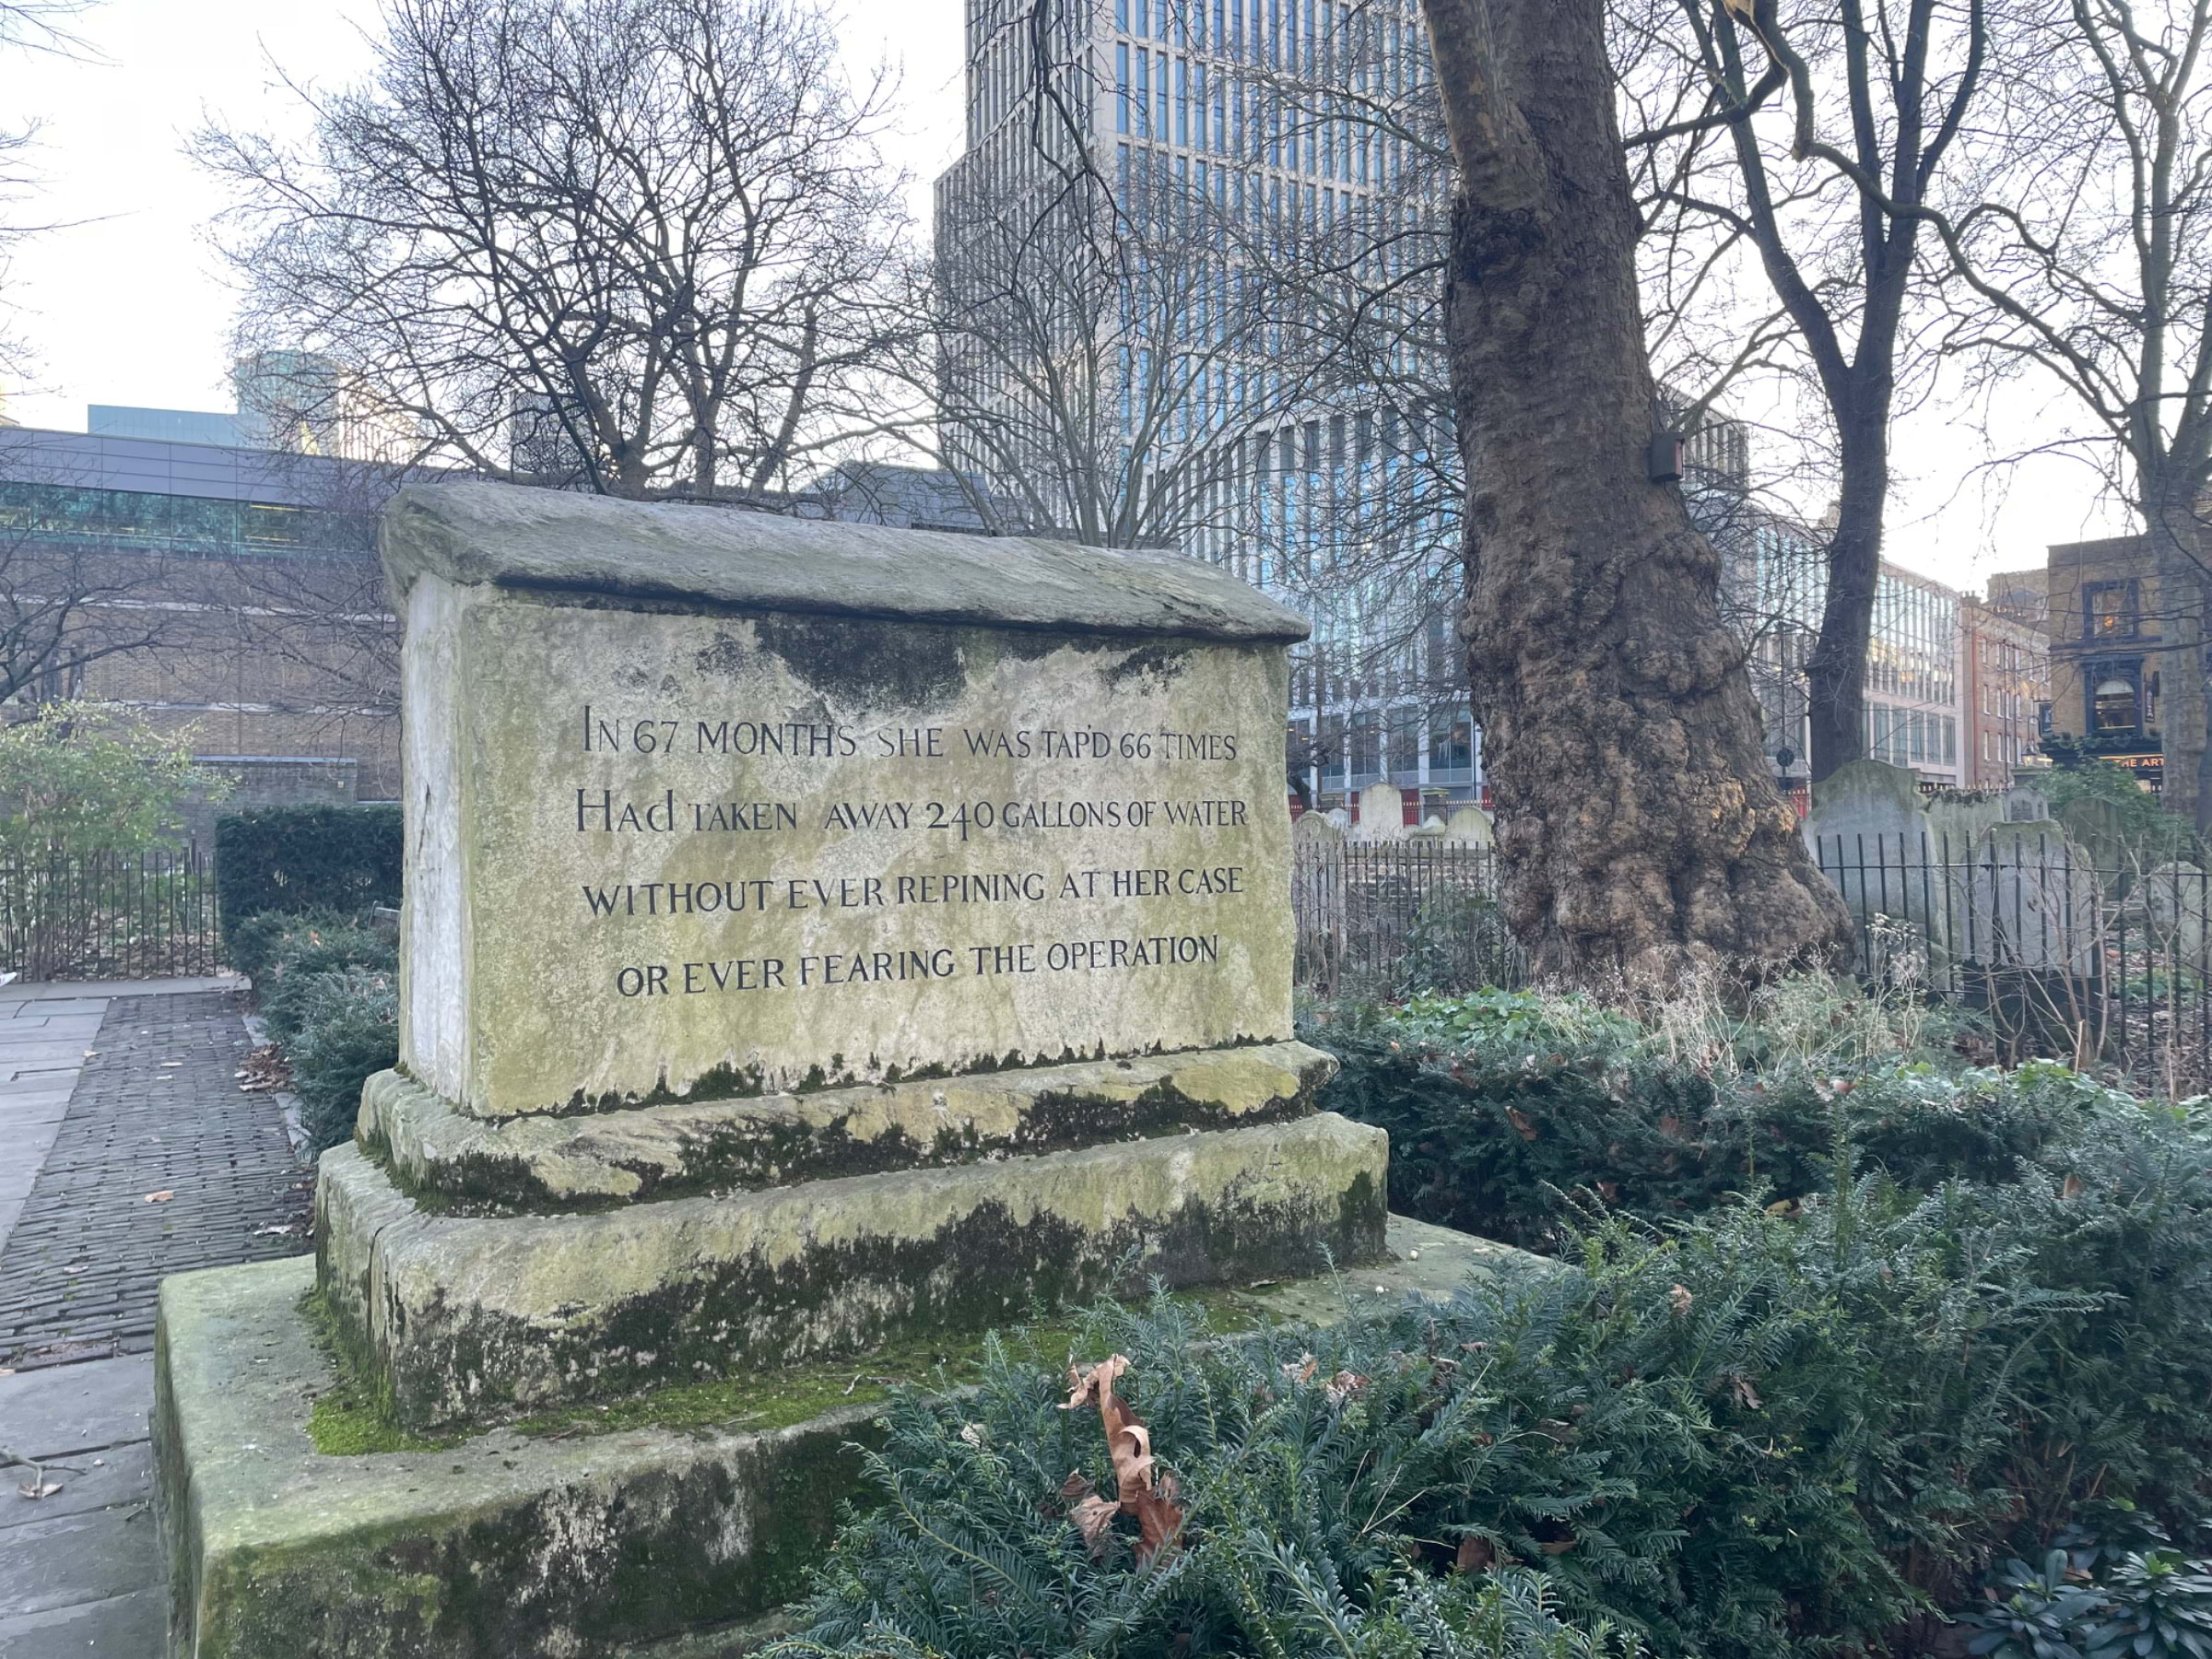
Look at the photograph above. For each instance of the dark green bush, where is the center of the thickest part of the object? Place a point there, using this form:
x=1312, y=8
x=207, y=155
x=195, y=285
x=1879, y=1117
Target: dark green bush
x=257, y=943
x=327, y=982
x=286, y=992
x=347, y=1027
x=306, y=858
x=1757, y=1434
x=1510, y=1113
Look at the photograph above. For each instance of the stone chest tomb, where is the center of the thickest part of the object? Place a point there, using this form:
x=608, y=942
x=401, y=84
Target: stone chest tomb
x=816, y=937
x=765, y=811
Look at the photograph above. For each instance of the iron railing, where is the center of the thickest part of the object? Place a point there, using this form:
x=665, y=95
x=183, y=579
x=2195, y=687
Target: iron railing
x=1391, y=918
x=2066, y=958
x=2058, y=956
x=128, y=915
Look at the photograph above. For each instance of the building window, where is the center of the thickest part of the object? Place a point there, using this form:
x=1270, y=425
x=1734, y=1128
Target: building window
x=1451, y=742
x=1366, y=740
x=2111, y=611
x=2115, y=706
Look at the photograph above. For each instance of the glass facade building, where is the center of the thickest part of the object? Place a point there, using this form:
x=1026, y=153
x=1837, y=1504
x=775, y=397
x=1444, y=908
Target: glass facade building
x=1179, y=121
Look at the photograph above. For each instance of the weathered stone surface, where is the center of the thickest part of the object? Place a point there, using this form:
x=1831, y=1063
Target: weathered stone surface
x=1382, y=814
x=657, y=855
x=492, y=534
x=685, y=1146
x=506, y=1546
x=1472, y=826
x=463, y=1316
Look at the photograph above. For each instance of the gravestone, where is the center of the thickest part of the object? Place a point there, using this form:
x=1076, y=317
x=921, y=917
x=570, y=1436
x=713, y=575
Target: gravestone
x=1382, y=814
x=816, y=937
x=1470, y=826
x=2163, y=922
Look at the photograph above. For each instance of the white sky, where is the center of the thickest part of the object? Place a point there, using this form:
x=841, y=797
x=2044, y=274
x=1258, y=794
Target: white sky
x=127, y=304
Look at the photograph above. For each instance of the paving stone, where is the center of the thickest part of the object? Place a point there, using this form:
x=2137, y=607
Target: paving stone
x=114, y=1478
x=72, y=1559
x=130, y=1627
x=49, y=1413
x=156, y=1110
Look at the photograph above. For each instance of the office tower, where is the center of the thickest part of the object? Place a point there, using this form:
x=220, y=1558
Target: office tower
x=1173, y=261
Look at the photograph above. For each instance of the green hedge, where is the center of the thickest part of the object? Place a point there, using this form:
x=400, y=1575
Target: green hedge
x=301, y=858
x=1839, y=1322
x=1515, y=1116
x=328, y=985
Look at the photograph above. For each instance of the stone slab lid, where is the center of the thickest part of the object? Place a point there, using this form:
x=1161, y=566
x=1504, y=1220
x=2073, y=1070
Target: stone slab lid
x=508, y=536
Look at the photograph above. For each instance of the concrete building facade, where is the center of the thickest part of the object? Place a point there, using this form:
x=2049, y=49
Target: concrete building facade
x=1166, y=112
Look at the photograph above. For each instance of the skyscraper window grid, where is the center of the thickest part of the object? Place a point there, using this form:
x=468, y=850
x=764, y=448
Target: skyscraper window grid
x=1223, y=118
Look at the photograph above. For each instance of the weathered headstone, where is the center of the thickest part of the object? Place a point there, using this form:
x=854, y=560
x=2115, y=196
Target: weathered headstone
x=815, y=937
x=1470, y=826
x=1957, y=819
x=1382, y=813
x=2171, y=912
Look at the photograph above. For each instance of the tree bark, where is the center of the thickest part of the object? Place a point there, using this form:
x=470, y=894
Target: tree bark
x=1640, y=832
x=1836, y=670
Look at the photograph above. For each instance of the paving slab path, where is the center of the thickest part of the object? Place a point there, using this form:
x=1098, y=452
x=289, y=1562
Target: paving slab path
x=109, y=1093
x=79, y=1570
x=157, y=1164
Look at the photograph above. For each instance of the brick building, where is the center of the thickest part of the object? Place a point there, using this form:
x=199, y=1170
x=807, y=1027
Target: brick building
x=2005, y=661
x=2109, y=628
x=228, y=589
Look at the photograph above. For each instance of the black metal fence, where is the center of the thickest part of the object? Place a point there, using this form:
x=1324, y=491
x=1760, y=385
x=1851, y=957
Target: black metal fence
x=134, y=915
x=1391, y=918
x=2067, y=959
x=2097, y=965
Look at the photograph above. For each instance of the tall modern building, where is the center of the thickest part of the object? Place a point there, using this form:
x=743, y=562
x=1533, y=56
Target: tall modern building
x=1955, y=687
x=1135, y=173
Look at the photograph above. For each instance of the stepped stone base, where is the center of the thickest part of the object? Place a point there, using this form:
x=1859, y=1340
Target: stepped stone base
x=506, y=1544
x=464, y=1317
x=687, y=1147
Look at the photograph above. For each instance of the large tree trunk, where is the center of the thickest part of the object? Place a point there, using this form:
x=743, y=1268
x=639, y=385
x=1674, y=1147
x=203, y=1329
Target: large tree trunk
x=1640, y=832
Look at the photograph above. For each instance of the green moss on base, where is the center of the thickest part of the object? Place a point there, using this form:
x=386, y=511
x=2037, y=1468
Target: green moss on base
x=352, y=1417
x=348, y=1421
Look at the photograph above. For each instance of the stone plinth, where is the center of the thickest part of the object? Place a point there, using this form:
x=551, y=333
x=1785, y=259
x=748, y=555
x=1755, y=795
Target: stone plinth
x=538, y=1541
x=469, y=1165
x=816, y=937
x=467, y=1316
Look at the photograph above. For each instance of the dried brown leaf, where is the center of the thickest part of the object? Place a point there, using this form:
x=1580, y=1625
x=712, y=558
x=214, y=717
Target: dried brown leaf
x=1475, y=1555
x=1146, y=1492
x=1094, y=1518
x=1526, y=1130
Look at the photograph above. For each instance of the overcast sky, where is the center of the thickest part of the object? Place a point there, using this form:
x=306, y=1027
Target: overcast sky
x=128, y=306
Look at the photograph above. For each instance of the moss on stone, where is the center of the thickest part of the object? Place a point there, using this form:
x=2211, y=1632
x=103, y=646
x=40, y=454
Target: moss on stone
x=347, y=1419
x=352, y=1417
